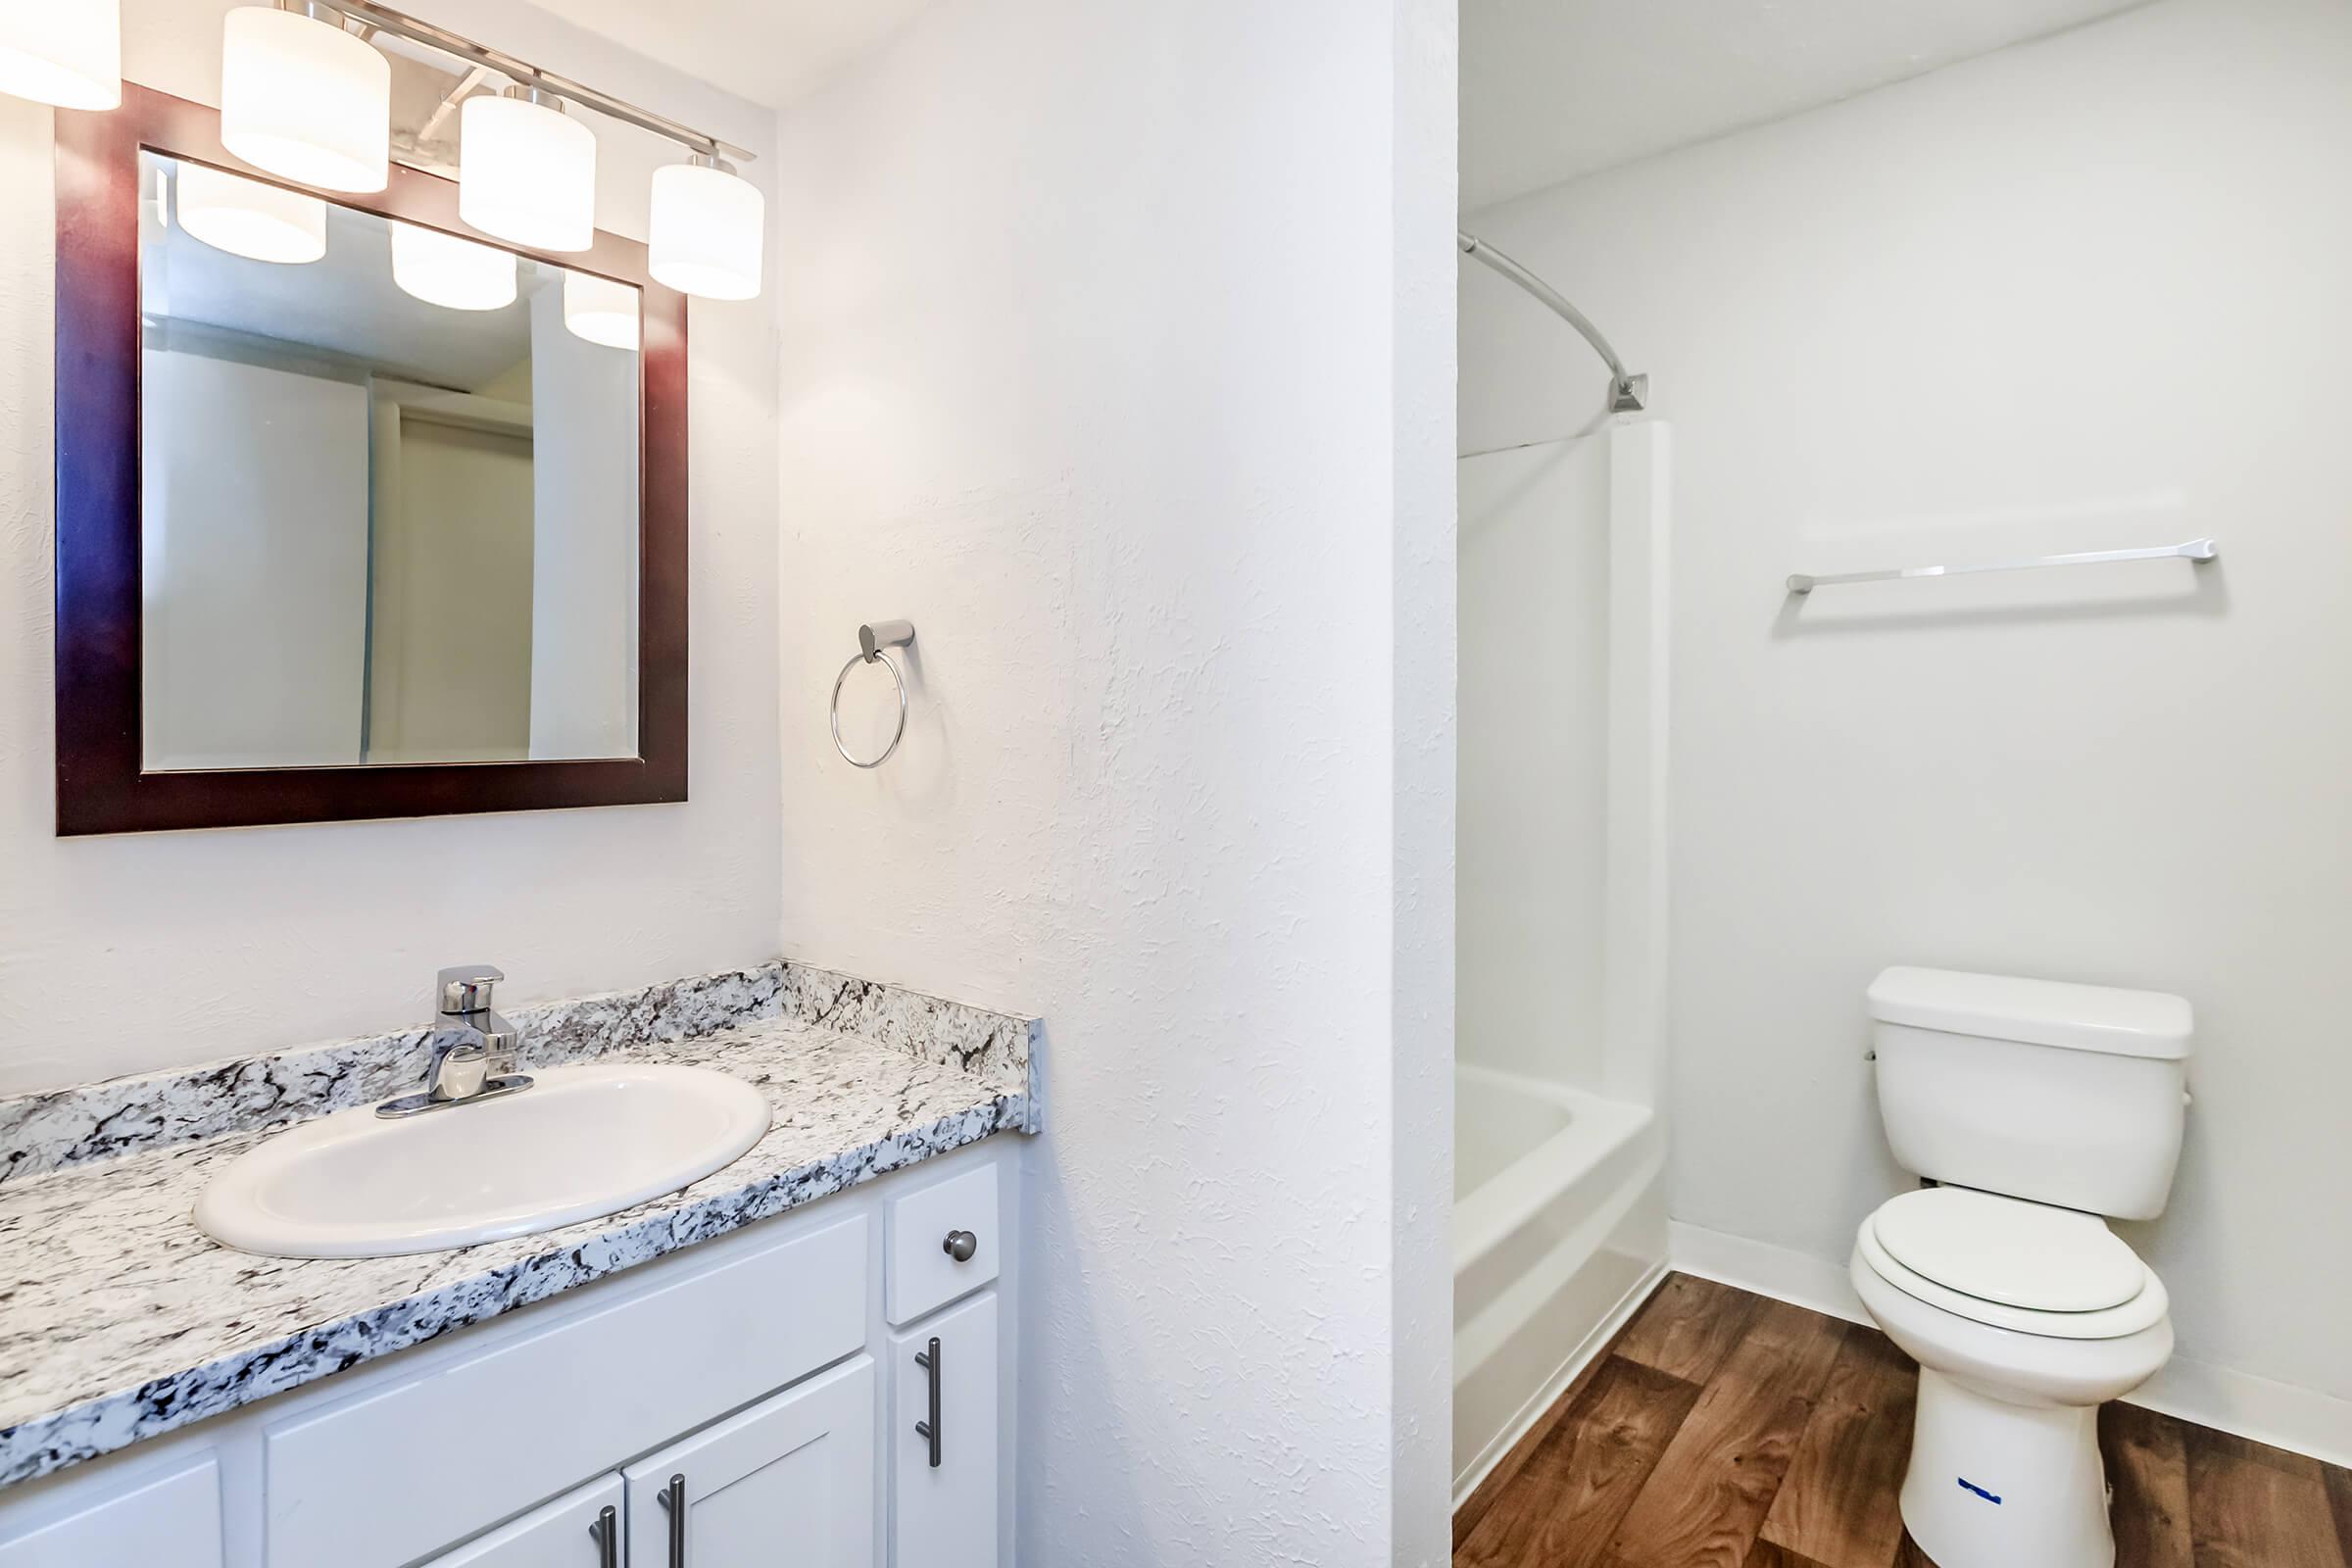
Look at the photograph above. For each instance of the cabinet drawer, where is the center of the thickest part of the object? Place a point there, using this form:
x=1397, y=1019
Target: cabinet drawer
x=924, y=1274
x=166, y=1520
x=386, y=1476
x=943, y=1513
x=568, y=1533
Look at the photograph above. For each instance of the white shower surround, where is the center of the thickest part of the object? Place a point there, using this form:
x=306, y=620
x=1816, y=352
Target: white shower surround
x=1559, y=1211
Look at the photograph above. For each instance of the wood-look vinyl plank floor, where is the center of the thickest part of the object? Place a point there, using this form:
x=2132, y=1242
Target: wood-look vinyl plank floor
x=1724, y=1430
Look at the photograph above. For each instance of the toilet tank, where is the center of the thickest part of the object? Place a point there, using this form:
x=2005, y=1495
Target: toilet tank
x=2062, y=1094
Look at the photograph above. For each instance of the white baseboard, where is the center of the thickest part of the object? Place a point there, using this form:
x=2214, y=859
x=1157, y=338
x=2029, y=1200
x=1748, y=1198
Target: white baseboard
x=1556, y=1385
x=1798, y=1277
x=2277, y=1413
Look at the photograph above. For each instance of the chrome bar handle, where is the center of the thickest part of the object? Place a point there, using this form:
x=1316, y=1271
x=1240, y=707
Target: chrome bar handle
x=606, y=1533
x=674, y=1498
x=929, y=1430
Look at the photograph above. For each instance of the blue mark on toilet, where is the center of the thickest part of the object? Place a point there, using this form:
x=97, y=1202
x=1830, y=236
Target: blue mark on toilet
x=1970, y=1486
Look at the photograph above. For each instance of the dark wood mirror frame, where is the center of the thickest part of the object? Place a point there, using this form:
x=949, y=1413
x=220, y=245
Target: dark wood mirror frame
x=102, y=785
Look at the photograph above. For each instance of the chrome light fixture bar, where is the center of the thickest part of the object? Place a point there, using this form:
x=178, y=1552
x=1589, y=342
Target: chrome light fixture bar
x=399, y=24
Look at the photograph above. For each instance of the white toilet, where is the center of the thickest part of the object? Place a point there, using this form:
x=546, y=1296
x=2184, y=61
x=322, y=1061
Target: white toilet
x=2039, y=1107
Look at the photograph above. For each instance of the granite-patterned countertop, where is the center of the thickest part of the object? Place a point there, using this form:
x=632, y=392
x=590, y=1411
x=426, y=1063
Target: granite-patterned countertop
x=119, y=1320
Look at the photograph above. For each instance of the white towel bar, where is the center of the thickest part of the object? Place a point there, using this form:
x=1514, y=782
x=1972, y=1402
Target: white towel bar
x=2199, y=550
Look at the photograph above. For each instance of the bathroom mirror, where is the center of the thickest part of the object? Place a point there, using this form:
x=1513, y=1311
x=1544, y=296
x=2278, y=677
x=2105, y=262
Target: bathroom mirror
x=388, y=489
x=360, y=513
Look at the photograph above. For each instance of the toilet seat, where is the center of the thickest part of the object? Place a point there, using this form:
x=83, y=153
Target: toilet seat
x=2006, y=1249
x=2004, y=1262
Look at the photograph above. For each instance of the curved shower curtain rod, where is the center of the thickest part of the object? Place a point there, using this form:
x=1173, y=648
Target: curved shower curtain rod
x=1628, y=393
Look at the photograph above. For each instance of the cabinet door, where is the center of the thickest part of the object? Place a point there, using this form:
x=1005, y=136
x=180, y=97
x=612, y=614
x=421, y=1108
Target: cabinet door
x=156, y=1519
x=943, y=1439
x=789, y=1479
x=580, y=1529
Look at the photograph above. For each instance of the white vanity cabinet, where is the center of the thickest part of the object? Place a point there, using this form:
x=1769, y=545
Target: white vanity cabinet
x=745, y=1401
x=166, y=1513
x=790, y=1479
x=582, y=1530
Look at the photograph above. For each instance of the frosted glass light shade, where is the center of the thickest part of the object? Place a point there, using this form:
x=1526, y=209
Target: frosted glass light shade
x=446, y=271
x=246, y=217
x=527, y=173
x=305, y=100
x=63, y=52
x=709, y=227
x=600, y=311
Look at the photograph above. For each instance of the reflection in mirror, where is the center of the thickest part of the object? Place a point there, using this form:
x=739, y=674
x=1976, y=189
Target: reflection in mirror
x=390, y=489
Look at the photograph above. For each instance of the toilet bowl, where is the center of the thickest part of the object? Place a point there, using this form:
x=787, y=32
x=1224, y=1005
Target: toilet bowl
x=2024, y=1318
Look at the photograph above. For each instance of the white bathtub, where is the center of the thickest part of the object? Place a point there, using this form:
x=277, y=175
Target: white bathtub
x=1559, y=1227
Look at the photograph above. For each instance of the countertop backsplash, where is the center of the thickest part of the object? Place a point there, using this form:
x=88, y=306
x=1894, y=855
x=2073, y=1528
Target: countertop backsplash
x=60, y=1128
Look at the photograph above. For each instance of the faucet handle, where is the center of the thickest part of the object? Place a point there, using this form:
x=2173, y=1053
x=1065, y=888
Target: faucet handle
x=465, y=988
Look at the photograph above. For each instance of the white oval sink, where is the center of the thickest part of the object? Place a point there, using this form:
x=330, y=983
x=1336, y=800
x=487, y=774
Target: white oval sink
x=579, y=1143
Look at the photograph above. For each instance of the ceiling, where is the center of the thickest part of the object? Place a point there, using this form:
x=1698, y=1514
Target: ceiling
x=771, y=52
x=1553, y=89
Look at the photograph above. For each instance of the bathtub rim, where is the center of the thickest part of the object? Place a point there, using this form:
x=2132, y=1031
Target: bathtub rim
x=1597, y=1127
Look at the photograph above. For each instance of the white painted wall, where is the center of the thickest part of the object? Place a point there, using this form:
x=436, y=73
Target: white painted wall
x=252, y=564
x=1071, y=381
x=158, y=940
x=2085, y=293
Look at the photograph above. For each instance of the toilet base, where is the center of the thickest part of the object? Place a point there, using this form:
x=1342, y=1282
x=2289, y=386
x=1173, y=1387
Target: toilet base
x=1993, y=1485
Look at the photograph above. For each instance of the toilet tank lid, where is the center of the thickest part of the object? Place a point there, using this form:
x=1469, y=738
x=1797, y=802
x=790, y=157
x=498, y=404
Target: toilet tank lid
x=2042, y=1012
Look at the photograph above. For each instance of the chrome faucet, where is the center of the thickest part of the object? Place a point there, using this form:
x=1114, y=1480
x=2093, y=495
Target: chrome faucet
x=475, y=1048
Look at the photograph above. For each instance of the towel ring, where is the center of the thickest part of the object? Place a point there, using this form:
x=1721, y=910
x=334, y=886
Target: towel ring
x=871, y=641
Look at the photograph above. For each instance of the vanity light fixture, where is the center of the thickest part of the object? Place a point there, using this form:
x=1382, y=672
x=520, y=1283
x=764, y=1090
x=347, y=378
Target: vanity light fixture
x=68, y=53
x=709, y=226
x=309, y=100
x=600, y=311
x=305, y=98
x=526, y=170
x=455, y=273
x=246, y=217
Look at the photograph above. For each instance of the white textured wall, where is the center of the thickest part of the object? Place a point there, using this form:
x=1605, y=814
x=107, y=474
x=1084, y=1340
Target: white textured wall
x=2081, y=294
x=178, y=948
x=1093, y=366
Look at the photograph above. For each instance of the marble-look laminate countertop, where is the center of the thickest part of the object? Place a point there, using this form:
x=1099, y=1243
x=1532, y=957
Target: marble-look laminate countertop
x=119, y=1320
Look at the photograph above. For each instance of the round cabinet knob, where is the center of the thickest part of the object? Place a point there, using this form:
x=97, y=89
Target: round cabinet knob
x=960, y=1245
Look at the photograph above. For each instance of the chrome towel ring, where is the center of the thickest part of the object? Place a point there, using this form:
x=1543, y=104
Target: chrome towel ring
x=871, y=641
